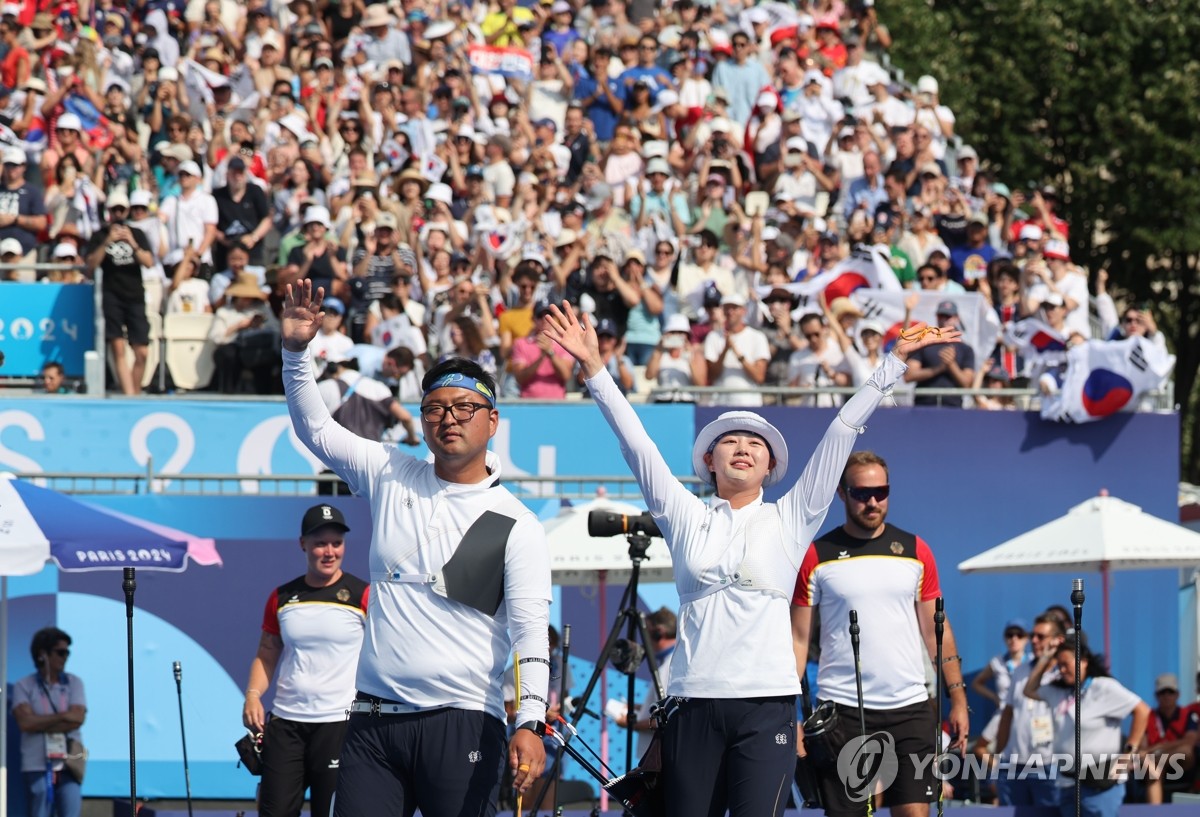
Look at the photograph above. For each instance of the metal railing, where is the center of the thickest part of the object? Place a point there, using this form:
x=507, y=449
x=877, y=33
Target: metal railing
x=1161, y=400
x=287, y=485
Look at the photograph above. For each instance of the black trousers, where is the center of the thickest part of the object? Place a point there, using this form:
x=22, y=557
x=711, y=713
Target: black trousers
x=446, y=763
x=299, y=756
x=730, y=754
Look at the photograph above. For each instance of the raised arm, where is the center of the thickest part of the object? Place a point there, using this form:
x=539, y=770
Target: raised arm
x=663, y=493
x=804, y=506
x=353, y=458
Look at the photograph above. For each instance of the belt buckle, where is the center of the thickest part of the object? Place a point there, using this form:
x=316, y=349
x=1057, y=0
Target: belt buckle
x=375, y=713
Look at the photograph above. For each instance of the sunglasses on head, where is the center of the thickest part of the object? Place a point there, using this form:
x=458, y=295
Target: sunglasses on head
x=878, y=493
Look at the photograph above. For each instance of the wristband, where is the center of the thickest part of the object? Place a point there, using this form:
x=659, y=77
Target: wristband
x=950, y=658
x=954, y=686
x=250, y=692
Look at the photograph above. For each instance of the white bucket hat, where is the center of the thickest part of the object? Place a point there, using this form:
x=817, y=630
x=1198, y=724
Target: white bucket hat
x=732, y=421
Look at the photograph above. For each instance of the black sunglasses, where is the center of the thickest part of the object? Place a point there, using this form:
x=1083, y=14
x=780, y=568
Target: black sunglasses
x=62, y=653
x=878, y=493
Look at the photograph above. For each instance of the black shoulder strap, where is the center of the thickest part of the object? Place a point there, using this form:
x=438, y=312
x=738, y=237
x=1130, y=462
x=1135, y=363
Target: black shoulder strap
x=474, y=576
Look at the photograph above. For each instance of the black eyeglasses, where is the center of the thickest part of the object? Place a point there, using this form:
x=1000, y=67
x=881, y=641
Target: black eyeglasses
x=463, y=412
x=64, y=653
x=878, y=493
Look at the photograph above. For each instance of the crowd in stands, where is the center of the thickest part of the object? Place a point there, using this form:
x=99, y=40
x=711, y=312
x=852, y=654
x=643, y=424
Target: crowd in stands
x=445, y=169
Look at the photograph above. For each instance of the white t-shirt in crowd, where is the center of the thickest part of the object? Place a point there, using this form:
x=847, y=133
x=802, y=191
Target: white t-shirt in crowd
x=750, y=344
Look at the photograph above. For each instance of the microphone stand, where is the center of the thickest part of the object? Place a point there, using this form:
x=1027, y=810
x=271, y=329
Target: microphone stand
x=1077, y=603
x=187, y=777
x=939, y=630
x=562, y=696
x=129, y=585
x=862, y=714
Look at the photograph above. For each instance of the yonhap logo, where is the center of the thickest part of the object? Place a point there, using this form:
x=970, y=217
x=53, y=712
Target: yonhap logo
x=865, y=762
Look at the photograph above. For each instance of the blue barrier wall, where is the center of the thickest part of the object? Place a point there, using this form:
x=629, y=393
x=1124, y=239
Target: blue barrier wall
x=41, y=323
x=964, y=480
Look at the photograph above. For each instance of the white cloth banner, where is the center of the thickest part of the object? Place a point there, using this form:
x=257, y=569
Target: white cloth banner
x=1107, y=376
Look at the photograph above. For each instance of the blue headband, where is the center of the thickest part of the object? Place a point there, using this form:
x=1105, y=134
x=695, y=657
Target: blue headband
x=458, y=380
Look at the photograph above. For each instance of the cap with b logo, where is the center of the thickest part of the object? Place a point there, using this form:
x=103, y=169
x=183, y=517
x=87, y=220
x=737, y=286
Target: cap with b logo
x=320, y=516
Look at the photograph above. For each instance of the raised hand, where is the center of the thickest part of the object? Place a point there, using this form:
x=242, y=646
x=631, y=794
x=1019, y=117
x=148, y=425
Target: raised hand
x=920, y=335
x=577, y=336
x=301, y=316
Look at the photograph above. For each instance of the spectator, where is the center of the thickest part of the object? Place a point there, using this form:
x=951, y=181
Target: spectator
x=319, y=259
x=11, y=254
x=676, y=362
x=22, y=208
x=615, y=360
x=54, y=379
x=942, y=365
x=969, y=261
x=465, y=340
x=540, y=367
x=243, y=215
x=246, y=335
x=1170, y=733
x=737, y=355
x=998, y=380
x=331, y=343
x=120, y=252
x=820, y=364
x=936, y=119
x=191, y=217
x=741, y=77
x=933, y=278
x=1057, y=276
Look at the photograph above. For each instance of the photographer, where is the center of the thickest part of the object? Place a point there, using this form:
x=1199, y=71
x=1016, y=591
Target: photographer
x=121, y=251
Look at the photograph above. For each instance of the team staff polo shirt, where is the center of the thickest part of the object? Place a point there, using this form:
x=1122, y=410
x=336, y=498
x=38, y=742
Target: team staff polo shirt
x=882, y=579
x=322, y=631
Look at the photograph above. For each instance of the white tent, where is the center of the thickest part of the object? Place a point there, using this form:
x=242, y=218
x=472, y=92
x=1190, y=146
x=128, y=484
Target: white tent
x=1105, y=534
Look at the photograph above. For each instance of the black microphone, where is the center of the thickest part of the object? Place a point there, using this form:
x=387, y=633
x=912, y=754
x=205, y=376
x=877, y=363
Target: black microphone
x=129, y=585
x=854, y=630
x=178, y=673
x=1077, y=601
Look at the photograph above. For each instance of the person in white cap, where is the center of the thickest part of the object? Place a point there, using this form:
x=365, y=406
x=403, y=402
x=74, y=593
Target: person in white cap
x=10, y=259
x=318, y=258
x=735, y=558
x=22, y=207
x=933, y=115
x=191, y=217
x=68, y=138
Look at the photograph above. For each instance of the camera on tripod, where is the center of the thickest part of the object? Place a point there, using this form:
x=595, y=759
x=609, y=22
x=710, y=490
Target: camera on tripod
x=610, y=523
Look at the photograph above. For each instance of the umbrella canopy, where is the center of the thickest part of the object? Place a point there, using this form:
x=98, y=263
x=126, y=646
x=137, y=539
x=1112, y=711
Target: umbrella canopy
x=576, y=557
x=1105, y=534
x=38, y=525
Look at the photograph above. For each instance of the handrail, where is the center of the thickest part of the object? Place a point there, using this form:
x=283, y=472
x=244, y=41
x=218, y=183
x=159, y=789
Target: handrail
x=568, y=486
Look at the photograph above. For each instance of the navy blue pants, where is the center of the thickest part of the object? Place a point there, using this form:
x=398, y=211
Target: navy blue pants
x=730, y=754
x=446, y=763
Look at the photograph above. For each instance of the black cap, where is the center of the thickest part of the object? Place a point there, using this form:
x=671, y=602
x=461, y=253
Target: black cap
x=319, y=516
x=236, y=163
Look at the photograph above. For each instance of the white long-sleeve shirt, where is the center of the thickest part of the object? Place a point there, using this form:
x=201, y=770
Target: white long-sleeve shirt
x=419, y=647
x=737, y=642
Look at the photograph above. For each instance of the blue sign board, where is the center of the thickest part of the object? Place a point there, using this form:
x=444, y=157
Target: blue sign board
x=43, y=323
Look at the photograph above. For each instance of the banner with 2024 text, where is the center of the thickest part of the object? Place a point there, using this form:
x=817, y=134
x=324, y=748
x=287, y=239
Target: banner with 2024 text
x=43, y=323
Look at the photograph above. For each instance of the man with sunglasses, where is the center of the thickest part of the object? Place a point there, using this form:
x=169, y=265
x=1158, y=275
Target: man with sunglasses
x=889, y=576
x=460, y=574
x=49, y=707
x=1025, y=735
